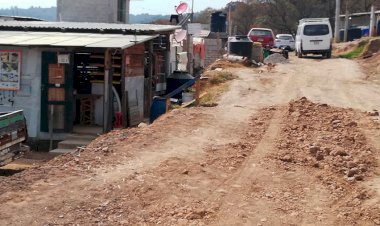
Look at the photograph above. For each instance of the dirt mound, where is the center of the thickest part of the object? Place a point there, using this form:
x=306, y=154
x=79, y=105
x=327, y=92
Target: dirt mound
x=344, y=47
x=326, y=137
x=276, y=58
x=328, y=140
x=373, y=47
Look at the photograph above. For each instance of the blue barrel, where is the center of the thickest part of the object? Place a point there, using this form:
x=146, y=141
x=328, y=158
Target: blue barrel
x=353, y=33
x=157, y=109
x=175, y=80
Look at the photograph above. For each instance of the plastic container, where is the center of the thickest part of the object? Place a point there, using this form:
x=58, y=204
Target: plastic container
x=218, y=22
x=187, y=97
x=240, y=45
x=257, y=52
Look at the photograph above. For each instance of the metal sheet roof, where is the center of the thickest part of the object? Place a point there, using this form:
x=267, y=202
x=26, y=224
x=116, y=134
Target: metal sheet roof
x=90, y=27
x=60, y=39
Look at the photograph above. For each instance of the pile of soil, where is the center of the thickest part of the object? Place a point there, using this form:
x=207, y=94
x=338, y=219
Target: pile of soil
x=373, y=48
x=276, y=58
x=327, y=140
x=371, y=59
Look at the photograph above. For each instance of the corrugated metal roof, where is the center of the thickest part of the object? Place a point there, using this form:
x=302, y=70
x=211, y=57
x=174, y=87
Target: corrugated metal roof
x=91, y=27
x=19, y=18
x=60, y=39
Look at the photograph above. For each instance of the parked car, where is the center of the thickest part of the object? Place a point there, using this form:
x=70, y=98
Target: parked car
x=314, y=36
x=263, y=35
x=285, y=41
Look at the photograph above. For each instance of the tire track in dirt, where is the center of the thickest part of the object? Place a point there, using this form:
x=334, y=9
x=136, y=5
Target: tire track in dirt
x=239, y=184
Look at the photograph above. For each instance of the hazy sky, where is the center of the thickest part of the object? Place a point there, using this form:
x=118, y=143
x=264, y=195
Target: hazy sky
x=137, y=6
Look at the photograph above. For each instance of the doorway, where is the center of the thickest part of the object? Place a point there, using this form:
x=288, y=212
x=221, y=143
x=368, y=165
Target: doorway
x=56, y=90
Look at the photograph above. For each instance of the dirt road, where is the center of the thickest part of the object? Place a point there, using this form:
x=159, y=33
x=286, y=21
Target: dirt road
x=263, y=156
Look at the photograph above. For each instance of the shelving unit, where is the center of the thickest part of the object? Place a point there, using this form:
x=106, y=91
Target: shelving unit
x=97, y=61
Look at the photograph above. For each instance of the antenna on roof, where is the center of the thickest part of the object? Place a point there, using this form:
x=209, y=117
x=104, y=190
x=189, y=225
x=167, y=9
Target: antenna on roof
x=182, y=8
x=180, y=35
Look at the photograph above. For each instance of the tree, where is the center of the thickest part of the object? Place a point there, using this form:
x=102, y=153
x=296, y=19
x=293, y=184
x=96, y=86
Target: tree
x=243, y=16
x=204, y=16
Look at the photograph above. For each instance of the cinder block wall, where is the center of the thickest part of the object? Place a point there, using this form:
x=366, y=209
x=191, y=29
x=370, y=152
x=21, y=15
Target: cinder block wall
x=100, y=11
x=214, y=50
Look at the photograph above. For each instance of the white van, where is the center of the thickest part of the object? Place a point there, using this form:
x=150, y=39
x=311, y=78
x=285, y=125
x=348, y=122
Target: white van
x=314, y=36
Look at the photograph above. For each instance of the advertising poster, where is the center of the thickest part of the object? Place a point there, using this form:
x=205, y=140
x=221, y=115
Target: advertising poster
x=10, y=70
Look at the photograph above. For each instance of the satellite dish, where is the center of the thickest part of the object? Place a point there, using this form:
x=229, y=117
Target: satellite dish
x=180, y=35
x=182, y=8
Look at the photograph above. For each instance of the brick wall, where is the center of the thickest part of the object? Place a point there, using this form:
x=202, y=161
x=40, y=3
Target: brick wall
x=214, y=50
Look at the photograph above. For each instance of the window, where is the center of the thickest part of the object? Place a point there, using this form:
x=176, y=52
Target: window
x=261, y=33
x=121, y=11
x=285, y=37
x=317, y=29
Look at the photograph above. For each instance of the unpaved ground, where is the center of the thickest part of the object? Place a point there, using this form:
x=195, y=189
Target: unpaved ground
x=258, y=158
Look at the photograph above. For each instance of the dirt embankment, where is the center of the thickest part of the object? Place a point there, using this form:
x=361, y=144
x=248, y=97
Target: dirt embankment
x=298, y=162
x=292, y=164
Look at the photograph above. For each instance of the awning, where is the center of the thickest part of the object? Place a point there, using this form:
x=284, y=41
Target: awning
x=63, y=39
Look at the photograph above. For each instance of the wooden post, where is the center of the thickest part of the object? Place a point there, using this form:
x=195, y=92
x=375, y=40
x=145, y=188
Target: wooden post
x=150, y=74
x=124, y=109
x=197, y=91
x=51, y=125
x=107, y=111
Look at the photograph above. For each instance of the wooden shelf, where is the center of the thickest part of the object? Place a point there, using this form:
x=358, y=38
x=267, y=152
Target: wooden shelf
x=102, y=81
x=97, y=57
x=96, y=65
x=97, y=81
x=97, y=73
x=116, y=65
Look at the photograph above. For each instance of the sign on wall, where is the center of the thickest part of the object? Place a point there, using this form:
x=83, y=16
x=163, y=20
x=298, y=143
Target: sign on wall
x=10, y=70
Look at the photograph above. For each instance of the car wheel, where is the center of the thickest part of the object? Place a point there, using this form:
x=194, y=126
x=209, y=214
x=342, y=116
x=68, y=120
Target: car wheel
x=328, y=54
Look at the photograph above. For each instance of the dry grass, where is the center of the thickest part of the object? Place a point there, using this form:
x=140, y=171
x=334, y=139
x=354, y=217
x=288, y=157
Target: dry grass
x=224, y=64
x=216, y=84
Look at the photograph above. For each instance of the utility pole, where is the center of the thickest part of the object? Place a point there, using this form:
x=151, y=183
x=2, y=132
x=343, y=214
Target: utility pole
x=229, y=21
x=346, y=18
x=337, y=21
x=372, y=23
x=192, y=11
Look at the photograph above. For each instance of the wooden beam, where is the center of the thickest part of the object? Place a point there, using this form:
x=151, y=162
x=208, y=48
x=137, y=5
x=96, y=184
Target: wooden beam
x=107, y=112
x=124, y=97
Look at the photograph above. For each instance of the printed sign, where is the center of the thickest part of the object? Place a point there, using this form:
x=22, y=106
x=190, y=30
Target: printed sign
x=63, y=58
x=10, y=70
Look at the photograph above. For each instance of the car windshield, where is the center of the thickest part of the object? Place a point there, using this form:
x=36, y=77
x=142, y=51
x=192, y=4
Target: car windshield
x=285, y=37
x=261, y=33
x=316, y=29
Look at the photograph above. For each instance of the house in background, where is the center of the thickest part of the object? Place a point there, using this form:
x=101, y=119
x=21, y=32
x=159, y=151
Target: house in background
x=99, y=11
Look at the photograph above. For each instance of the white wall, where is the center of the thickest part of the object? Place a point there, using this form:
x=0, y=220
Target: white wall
x=29, y=97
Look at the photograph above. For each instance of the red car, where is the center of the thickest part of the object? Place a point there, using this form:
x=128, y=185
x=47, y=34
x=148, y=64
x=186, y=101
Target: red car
x=263, y=35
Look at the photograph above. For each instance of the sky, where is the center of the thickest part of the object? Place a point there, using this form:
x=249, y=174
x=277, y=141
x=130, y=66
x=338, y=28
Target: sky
x=137, y=6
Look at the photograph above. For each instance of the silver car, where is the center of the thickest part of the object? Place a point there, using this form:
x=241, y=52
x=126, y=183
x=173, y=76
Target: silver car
x=285, y=41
